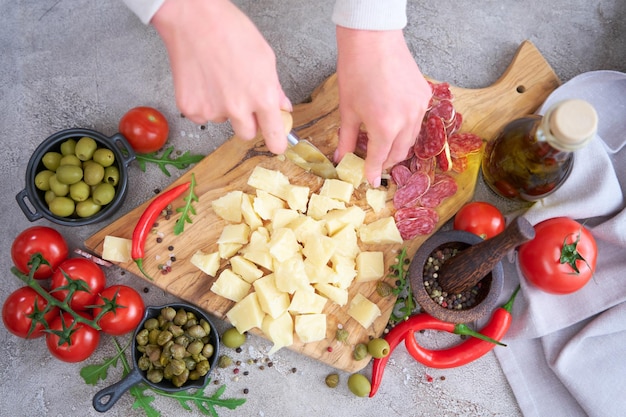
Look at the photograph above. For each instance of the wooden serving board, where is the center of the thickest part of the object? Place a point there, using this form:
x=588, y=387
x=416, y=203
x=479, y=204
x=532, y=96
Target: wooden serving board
x=522, y=88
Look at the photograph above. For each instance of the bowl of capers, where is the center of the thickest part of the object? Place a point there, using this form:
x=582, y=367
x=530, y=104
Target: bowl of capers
x=174, y=348
x=76, y=177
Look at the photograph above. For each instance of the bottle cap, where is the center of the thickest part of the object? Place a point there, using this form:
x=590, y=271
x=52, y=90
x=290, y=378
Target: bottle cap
x=573, y=123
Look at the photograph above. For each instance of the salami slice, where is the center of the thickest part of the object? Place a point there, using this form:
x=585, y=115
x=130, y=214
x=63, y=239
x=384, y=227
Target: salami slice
x=443, y=187
x=459, y=164
x=441, y=91
x=407, y=213
x=444, y=161
x=400, y=174
x=445, y=110
x=456, y=125
x=462, y=144
x=414, y=188
x=433, y=139
x=415, y=221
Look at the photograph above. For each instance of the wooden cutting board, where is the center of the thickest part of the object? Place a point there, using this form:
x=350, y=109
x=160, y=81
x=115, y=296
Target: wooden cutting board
x=522, y=88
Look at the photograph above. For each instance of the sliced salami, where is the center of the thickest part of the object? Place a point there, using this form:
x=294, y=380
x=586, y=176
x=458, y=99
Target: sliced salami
x=413, y=212
x=414, y=188
x=459, y=164
x=443, y=187
x=462, y=144
x=432, y=141
x=441, y=91
x=456, y=125
x=415, y=221
x=444, y=161
x=445, y=110
x=400, y=174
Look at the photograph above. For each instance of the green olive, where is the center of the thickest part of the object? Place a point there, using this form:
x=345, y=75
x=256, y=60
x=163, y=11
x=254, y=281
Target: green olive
x=112, y=175
x=58, y=187
x=87, y=208
x=51, y=160
x=69, y=174
x=104, y=157
x=71, y=160
x=378, y=348
x=49, y=196
x=93, y=173
x=68, y=147
x=85, y=147
x=103, y=194
x=359, y=385
x=42, y=180
x=62, y=206
x=232, y=338
x=80, y=191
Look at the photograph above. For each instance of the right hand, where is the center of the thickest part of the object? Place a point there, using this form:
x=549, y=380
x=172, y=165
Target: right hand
x=223, y=69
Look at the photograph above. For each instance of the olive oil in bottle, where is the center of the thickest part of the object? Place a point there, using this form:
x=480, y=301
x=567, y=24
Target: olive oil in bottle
x=531, y=157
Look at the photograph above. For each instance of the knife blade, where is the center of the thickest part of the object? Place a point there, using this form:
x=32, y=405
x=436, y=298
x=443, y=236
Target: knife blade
x=306, y=155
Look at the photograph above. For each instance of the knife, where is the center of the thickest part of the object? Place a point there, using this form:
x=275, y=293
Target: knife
x=306, y=155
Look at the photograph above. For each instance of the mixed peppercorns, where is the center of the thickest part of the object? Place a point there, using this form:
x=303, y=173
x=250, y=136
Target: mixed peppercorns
x=461, y=301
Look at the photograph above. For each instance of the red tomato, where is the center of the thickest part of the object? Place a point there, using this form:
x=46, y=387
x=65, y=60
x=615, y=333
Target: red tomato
x=126, y=315
x=480, y=218
x=561, y=258
x=78, y=269
x=82, y=342
x=39, y=239
x=18, y=309
x=145, y=128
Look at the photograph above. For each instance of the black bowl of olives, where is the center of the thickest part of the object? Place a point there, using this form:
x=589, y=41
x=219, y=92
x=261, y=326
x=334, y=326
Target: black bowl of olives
x=76, y=177
x=174, y=348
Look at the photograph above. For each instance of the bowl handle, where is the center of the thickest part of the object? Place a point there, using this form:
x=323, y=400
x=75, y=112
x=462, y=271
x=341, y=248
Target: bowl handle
x=21, y=201
x=104, y=399
x=129, y=153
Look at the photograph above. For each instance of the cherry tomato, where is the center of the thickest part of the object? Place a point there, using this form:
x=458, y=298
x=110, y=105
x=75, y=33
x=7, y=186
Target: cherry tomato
x=480, y=218
x=83, y=269
x=39, y=239
x=145, y=128
x=127, y=314
x=561, y=258
x=82, y=342
x=18, y=309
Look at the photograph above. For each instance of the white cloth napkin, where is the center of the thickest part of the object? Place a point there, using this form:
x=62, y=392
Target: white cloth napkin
x=566, y=354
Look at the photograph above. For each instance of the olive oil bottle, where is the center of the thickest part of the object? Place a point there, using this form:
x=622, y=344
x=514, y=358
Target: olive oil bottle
x=532, y=156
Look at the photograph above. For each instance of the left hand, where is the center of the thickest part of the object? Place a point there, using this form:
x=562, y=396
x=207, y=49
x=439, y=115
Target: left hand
x=380, y=86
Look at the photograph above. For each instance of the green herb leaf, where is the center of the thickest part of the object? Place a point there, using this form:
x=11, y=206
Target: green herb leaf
x=181, y=162
x=405, y=303
x=188, y=209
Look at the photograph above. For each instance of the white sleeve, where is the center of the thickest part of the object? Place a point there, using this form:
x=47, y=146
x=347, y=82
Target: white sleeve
x=144, y=9
x=370, y=14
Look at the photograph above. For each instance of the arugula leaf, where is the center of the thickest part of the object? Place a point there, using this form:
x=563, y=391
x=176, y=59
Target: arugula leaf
x=179, y=227
x=181, y=162
x=405, y=303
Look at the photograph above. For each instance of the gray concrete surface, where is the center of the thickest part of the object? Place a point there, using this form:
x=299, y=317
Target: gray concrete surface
x=84, y=63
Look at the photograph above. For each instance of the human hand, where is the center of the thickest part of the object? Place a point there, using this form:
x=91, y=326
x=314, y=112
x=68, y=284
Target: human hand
x=223, y=68
x=380, y=86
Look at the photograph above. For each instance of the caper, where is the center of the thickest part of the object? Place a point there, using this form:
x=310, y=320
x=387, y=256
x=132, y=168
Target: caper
x=103, y=194
x=208, y=350
x=151, y=323
x=104, y=157
x=342, y=335
x=232, y=338
x=60, y=189
x=178, y=366
x=182, y=340
x=360, y=351
x=142, y=337
x=93, y=173
x=224, y=361
x=177, y=351
x=179, y=380
x=168, y=313
x=378, y=347
x=153, y=352
x=203, y=367
x=194, y=375
x=85, y=148
x=384, y=289
x=71, y=160
x=42, y=179
x=181, y=317
x=62, y=206
x=195, y=347
x=177, y=331
x=206, y=326
x=143, y=363
x=87, y=208
x=155, y=375
x=68, y=147
x=359, y=385
x=111, y=175
x=196, y=332
x=79, y=191
x=190, y=363
x=332, y=380
x=164, y=337
x=51, y=160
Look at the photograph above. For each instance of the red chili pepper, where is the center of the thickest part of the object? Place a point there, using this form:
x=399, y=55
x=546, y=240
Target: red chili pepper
x=147, y=220
x=473, y=348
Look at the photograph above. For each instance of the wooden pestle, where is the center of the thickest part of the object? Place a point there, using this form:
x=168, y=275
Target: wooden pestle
x=472, y=264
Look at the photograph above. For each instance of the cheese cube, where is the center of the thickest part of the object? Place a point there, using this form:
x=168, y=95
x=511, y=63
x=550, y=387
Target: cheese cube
x=307, y=302
x=305, y=226
x=297, y=196
x=228, y=207
x=333, y=293
x=344, y=271
x=231, y=286
x=318, y=273
x=337, y=219
x=245, y=269
x=363, y=310
x=116, y=249
x=261, y=257
x=376, y=198
x=279, y=330
x=265, y=204
x=319, y=249
x=268, y=180
x=227, y=250
x=208, y=263
x=347, y=242
x=235, y=233
x=370, y=266
x=337, y=189
x=319, y=205
x=351, y=169
x=282, y=217
x=283, y=244
x=311, y=327
x=246, y=314
x=381, y=231
x=291, y=275
x=273, y=301
x=247, y=212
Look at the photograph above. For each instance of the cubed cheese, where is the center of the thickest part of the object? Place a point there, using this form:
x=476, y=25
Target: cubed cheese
x=319, y=249
x=228, y=207
x=273, y=301
x=337, y=219
x=283, y=244
x=310, y=327
x=250, y=216
x=351, y=169
x=363, y=310
x=235, y=233
x=246, y=314
x=370, y=266
x=381, y=231
x=319, y=205
x=291, y=275
x=208, y=263
x=279, y=330
x=245, y=269
x=265, y=204
x=268, y=180
x=307, y=302
x=376, y=198
x=231, y=286
x=116, y=249
x=333, y=293
x=337, y=189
